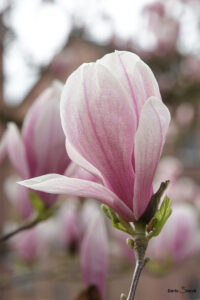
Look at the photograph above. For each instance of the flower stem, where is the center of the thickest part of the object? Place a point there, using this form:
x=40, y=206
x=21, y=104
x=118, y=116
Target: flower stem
x=136, y=275
x=140, y=245
x=29, y=224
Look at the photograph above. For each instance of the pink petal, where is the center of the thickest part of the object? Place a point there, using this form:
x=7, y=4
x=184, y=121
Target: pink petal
x=149, y=141
x=134, y=75
x=99, y=124
x=59, y=184
x=75, y=171
x=43, y=134
x=94, y=253
x=16, y=151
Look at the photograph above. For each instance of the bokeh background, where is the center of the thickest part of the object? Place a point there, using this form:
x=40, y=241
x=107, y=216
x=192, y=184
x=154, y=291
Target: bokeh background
x=44, y=40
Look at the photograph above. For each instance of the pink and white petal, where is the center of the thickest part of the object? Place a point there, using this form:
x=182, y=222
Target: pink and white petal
x=75, y=171
x=59, y=184
x=134, y=75
x=44, y=124
x=16, y=150
x=149, y=140
x=99, y=123
x=75, y=156
x=3, y=146
x=94, y=253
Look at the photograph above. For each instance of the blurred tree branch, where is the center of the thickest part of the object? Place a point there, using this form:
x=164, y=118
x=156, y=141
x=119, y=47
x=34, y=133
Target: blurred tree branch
x=27, y=225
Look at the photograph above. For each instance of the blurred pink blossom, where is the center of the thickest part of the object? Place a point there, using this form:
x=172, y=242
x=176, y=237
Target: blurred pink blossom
x=35, y=243
x=185, y=189
x=190, y=68
x=184, y=114
x=70, y=225
x=169, y=168
x=180, y=237
x=82, y=229
x=94, y=252
x=40, y=147
x=163, y=26
x=172, y=132
x=156, y=7
x=115, y=125
x=26, y=245
x=181, y=188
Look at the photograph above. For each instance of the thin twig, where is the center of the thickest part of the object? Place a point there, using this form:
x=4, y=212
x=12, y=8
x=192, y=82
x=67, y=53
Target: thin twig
x=136, y=275
x=23, y=227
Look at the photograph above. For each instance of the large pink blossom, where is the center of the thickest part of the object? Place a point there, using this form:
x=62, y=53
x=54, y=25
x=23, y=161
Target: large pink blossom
x=115, y=125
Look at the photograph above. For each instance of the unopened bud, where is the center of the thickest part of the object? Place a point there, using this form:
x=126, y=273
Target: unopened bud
x=130, y=243
x=123, y=297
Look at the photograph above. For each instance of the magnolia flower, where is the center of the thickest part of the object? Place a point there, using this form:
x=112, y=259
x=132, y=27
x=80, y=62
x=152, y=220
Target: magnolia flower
x=40, y=147
x=115, y=125
x=180, y=237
